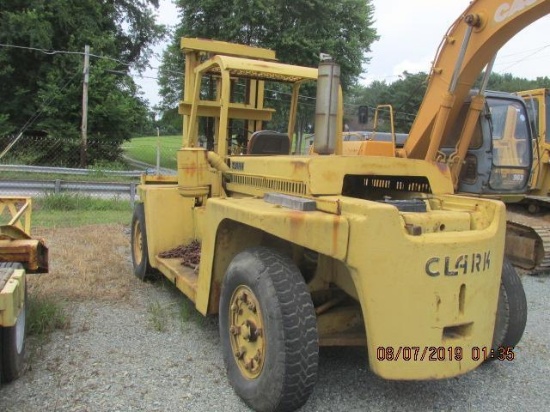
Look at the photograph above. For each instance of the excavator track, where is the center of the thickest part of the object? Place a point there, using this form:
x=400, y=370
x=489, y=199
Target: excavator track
x=528, y=241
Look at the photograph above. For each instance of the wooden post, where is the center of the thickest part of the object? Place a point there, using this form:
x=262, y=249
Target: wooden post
x=84, y=141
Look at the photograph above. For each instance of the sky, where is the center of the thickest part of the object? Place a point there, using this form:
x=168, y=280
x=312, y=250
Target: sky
x=410, y=32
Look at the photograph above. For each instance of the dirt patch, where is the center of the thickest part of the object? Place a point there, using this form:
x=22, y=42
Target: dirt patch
x=87, y=262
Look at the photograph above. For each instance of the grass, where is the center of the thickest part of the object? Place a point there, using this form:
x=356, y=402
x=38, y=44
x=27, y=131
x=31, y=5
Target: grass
x=185, y=312
x=144, y=149
x=44, y=315
x=88, y=244
x=158, y=316
x=86, y=263
x=73, y=209
x=76, y=201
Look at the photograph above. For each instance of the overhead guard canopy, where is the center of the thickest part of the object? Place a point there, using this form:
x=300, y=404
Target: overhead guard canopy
x=258, y=70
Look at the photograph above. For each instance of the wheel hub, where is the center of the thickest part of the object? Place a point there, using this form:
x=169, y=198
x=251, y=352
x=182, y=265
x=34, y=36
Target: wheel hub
x=20, y=329
x=246, y=332
x=138, y=243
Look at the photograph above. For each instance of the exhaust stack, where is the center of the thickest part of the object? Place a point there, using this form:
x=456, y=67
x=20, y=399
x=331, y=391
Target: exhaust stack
x=326, y=108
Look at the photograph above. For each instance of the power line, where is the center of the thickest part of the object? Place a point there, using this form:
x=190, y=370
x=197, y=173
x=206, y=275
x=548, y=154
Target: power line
x=98, y=56
x=526, y=57
x=525, y=51
x=53, y=52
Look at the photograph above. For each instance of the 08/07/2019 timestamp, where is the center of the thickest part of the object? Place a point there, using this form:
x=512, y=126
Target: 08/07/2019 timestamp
x=443, y=353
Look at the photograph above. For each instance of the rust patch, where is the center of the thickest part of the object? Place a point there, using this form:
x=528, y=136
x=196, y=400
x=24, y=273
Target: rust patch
x=330, y=175
x=297, y=214
x=263, y=65
x=189, y=172
x=335, y=225
x=296, y=223
x=214, y=299
x=146, y=179
x=298, y=166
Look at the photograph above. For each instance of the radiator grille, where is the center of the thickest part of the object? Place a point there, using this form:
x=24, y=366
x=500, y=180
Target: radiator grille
x=271, y=184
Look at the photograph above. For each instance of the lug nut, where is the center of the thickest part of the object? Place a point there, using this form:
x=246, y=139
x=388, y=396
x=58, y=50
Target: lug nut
x=258, y=356
x=240, y=353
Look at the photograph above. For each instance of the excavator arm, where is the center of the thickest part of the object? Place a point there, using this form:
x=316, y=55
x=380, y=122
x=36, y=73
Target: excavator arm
x=469, y=45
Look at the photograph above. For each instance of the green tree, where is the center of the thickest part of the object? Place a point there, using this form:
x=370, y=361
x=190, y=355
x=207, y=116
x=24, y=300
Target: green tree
x=297, y=30
x=406, y=94
x=509, y=83
x=41, y=72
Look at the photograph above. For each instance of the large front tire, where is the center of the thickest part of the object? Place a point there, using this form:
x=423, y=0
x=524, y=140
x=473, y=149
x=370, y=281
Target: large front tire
x=140, y=253
x=268, y=331
x=12, y=340
x=511, y=310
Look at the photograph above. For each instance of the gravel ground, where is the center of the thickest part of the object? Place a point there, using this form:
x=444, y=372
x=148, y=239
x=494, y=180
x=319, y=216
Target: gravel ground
x=152, y=352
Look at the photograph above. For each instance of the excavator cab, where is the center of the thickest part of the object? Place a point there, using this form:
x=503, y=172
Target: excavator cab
x=538, y=109
x=499, y=158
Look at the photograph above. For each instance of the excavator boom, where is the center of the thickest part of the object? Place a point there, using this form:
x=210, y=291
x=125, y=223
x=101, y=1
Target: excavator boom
x=468, y=46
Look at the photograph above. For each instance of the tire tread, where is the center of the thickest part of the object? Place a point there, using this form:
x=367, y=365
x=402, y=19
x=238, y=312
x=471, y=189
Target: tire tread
x=300, y=321
x=288, y=383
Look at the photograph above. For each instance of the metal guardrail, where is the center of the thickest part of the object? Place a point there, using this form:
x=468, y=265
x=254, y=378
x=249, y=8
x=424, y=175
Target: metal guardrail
x=98, y=189
x=38, y=187
x=149, y=169
x=146, y=168
x=70, y=171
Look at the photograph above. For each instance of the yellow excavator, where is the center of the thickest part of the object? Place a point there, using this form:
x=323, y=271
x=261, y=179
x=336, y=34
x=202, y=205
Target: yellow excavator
x=293, y=252
x=508, y=159
x=499, y=166
x=504, y=159
x=528, y=235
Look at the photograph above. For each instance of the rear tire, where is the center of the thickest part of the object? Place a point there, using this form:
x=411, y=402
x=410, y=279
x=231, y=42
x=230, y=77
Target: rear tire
x=511, y=310
x=268, y=331
x=140, y=252
x=12, y=340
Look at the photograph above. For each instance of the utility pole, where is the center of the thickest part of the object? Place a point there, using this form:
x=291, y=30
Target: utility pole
x=84, y=141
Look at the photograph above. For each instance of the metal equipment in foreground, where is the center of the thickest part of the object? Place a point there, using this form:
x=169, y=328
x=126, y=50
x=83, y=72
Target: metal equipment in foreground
x=19, y=254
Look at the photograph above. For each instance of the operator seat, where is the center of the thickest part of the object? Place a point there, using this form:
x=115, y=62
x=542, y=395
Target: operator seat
x=268, y=142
